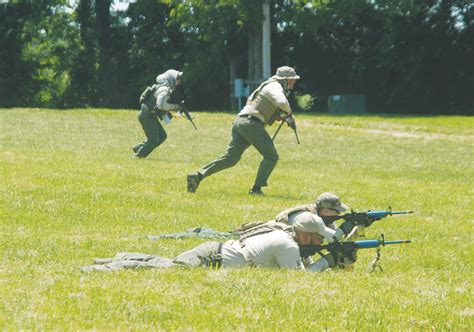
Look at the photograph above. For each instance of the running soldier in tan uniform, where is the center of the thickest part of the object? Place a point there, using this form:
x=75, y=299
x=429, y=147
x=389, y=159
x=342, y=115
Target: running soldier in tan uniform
x=263, y=108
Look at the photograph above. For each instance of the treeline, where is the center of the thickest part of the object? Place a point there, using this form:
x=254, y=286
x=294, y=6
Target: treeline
x=407, y=56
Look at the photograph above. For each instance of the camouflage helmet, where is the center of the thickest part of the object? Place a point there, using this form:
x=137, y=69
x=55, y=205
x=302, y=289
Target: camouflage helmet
x=330, y=201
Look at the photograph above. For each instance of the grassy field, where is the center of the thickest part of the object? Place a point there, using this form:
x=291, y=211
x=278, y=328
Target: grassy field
x=71, y=191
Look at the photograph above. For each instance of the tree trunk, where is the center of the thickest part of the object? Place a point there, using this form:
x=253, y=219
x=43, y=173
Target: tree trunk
x=255, y=70
x=106, y=84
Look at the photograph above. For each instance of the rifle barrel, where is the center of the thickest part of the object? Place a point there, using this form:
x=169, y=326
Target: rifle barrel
x=186, y=113
x=297, y=138
x=402, y=212
x=375, y=243
x=397, y=241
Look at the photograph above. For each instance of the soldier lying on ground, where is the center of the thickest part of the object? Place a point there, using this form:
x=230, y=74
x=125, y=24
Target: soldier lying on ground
x=326, y=205
x=276, y=246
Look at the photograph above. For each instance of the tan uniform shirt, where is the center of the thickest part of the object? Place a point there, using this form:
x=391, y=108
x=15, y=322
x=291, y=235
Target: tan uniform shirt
x=269, y=100
x=276, y=249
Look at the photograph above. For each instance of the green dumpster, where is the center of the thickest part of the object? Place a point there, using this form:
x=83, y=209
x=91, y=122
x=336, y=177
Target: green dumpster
x=347, y=104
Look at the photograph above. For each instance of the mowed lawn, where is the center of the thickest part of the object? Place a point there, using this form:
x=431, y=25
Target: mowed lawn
x=71, y=192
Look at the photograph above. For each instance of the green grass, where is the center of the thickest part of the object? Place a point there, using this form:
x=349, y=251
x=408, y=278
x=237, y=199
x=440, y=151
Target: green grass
x=71, y=191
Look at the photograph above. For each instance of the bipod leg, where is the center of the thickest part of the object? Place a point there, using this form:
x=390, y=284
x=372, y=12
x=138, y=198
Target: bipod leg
x=375, y=263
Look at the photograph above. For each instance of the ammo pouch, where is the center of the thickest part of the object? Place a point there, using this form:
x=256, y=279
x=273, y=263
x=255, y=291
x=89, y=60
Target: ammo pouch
x=154, y=111
x=158, y=113
x=215, y=259
x=148, y=98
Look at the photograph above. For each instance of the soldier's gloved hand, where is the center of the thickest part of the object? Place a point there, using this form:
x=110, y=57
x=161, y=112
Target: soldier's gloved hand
x=347, y=227
x=291, y=122
x=280, y=117
x=341, y=259
x=307, y=261
x=331, y=259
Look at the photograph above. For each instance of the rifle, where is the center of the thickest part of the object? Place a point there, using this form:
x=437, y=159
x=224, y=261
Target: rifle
x=364, y=219
x=278, y=129
x=184, y=110
x=177, y=97
x=291, y=123
x=345, y=249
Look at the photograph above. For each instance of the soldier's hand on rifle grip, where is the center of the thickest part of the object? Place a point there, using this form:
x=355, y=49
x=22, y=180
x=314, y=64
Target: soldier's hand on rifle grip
x=290, y=121
x=344, y=256
x=347, y=258
x=331, y=259
x=347, y=227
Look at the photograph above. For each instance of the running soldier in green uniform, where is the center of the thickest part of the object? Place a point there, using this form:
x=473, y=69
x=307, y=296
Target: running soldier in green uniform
x=155, y=106
x=263, y=108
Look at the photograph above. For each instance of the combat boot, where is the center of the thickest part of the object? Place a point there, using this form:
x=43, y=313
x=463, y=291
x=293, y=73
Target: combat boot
x=256, y=192
x=193, y=182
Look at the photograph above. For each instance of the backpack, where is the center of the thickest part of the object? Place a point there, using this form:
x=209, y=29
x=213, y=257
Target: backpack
x=148, y=92
x=148, y=98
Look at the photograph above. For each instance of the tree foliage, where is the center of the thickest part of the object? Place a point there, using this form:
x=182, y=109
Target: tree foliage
x=407, y=56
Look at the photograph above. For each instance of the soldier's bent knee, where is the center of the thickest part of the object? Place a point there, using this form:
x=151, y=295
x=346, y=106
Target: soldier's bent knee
x=155, y=141
x=273, y=157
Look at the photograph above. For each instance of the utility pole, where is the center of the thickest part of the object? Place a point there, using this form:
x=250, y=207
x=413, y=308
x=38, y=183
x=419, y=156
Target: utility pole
x=266, y=40
x=259, y=54
x=259, y=49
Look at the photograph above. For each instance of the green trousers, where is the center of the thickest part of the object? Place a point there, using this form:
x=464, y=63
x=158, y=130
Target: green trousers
x=154, y=131
x=246, y=131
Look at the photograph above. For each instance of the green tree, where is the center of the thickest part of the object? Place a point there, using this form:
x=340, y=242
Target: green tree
x=156, y=44
x=15, y=72
x=83, y=88
x=37, y=45
x=407, y=56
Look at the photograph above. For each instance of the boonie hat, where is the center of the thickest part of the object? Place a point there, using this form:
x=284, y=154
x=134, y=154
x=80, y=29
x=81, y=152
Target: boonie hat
x=286, y=72
x=311, y=223
x=330, y=201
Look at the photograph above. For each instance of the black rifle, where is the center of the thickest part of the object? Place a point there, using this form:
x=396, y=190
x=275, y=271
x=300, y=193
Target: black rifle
x=346, y=248
x=290, y=121
x=178, y=97
x=278, y=129
x=364, y=218
x=184, y=110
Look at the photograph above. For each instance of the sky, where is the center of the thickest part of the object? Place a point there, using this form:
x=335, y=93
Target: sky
x=121, y=4
x=117, y=5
